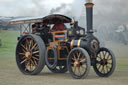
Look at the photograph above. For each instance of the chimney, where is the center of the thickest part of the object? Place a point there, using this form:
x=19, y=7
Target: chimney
x=89, y=15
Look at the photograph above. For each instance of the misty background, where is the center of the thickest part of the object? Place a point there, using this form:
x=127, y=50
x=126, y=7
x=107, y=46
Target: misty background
x=110, y=17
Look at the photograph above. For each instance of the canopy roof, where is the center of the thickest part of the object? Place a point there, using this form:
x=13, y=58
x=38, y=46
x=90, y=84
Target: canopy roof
x=50, y=19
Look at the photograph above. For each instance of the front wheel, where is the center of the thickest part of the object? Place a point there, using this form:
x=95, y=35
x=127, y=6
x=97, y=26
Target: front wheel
x=105, y=62
x=78, y=63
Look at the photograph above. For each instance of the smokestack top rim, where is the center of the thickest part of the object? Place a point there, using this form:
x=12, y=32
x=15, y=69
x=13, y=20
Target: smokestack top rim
x=89, y=5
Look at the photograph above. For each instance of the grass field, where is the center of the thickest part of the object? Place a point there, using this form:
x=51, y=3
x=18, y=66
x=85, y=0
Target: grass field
x=10, y=75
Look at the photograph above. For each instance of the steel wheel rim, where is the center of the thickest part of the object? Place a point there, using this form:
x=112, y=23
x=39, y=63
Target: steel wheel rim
x=28, y=54
x=78, y=63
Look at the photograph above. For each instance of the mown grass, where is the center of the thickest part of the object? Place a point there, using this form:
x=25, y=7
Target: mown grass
x=9, y=40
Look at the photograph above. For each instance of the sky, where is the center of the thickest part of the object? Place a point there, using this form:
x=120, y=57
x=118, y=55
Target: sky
x=43, y=7
x=103, y=8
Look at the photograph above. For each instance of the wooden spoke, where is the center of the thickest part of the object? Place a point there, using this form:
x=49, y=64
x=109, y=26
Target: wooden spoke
x=30, y=66
x=74, y=57
x=22, y=53
x=109, y=59
x=79, y=70
x=26, y=64
x=108, y=56
x=100, y=55
x=79, y=55
x=24, y=47
x=33, y=63
x=23, y=57
x=23, y=61
x=27, y=42
x=74, y=69
x=104, y=54
x=82, y=58
x=34, y=46
x=27, y=45
x=30, y=43
x=35, y=58
x=23, y=50
x=37, y=55
x=109, y=63
x=35, y=52
x=102, y=70
x=99, y=66
x=107, y=67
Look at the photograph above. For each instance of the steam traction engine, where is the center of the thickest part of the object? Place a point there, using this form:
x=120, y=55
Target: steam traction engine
x=61, y=50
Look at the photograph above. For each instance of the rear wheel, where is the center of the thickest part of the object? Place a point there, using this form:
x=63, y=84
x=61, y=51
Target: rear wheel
x=78, y=63
x=105, y=62
x=30, y=54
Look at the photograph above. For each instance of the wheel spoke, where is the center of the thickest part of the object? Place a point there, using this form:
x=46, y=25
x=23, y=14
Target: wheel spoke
x=104, y=54
x=79, y=70
x=22, y=53
x=33, y=63
x=23, y=61
x=108, y=56
x=35, y=52
x=100, y=55
x=23, y=57
x=34, y=46
x=74, y=68
x=107, y=68
x=27, y=44
x=30, y=43
x=99, y=66
x=109, y=63
x=74, y=57
x=79, y=55
x=24, y=47
x=37, y=55
x=109, y=59
x=102, y=70
x=23, y=50
x=30, y=66
x=26, y=64
x=35, y=58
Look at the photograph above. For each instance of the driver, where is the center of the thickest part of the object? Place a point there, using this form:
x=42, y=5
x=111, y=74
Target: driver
x=59, y=27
